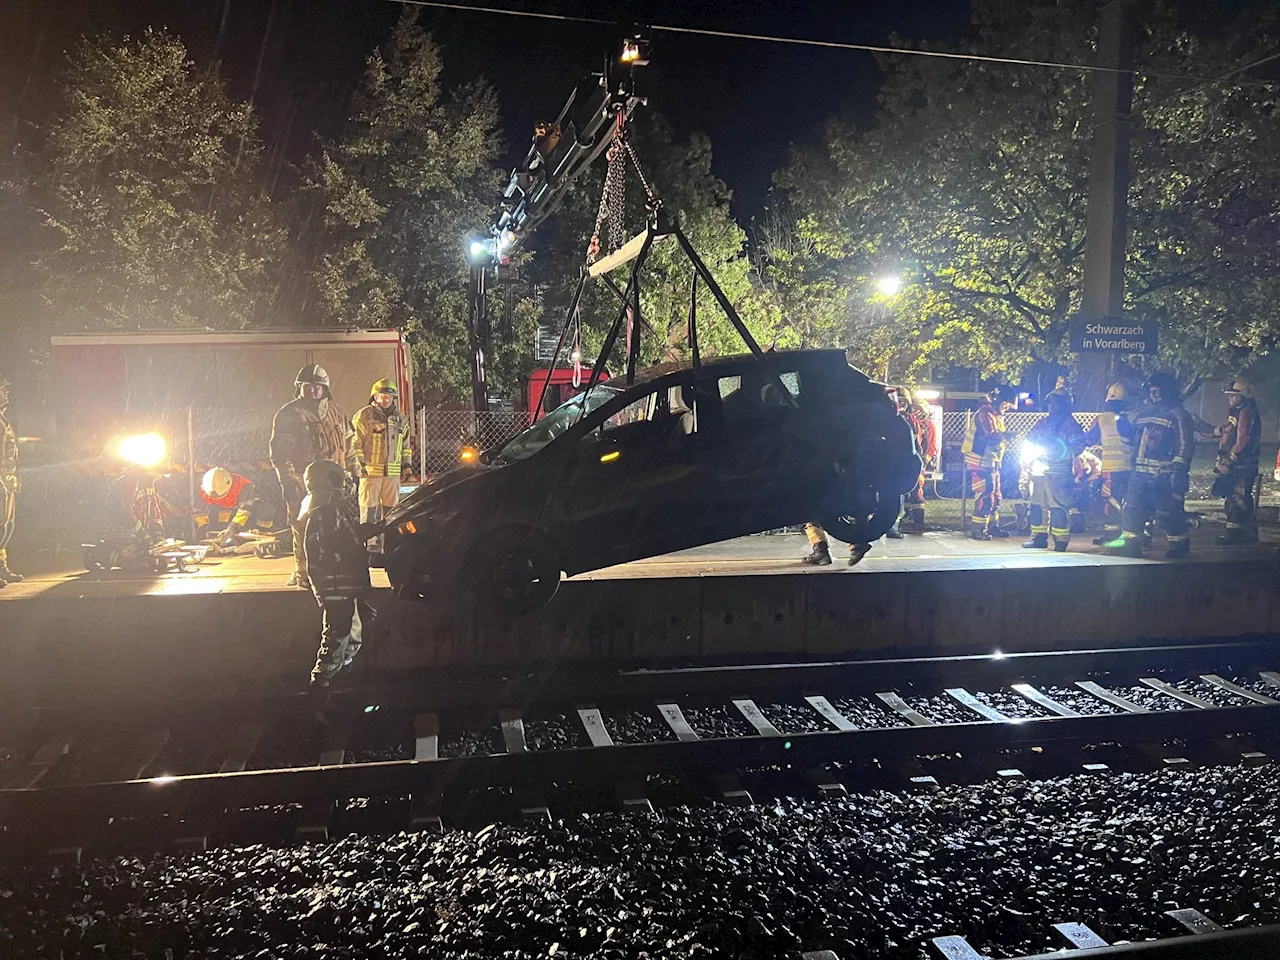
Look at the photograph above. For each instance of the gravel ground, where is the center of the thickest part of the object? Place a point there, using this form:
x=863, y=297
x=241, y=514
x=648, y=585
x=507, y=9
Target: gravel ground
x=870, y=876
x=867, y=714
x=1144, y=696
x=942, y=709
x=555, y=733
x=717, y=721
x=1252, y=682
x=636, y=726
x=792, y=718
x=1011, y=705
x=469, y=743
x=1078, y=700
x=1207, y=691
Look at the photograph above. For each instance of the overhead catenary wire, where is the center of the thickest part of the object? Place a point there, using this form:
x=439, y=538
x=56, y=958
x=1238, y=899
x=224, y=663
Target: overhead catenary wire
x=827, y=44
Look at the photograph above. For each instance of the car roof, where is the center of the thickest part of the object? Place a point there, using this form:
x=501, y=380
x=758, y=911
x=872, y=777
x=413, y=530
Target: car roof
x=828, y=356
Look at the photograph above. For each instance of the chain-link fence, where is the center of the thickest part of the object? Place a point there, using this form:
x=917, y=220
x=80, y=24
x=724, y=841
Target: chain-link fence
x=441, y=434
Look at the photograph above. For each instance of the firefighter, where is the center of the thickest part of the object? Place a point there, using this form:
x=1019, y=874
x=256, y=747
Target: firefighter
x=1163, y=440
x=1237, y=465
x=1057, y=441
x=983, y=449
x=233, y=493
x=917, y=414
x=8, y=483
x=1117, y=460
x=380, y=437
x=337, y=570
x=307, y=428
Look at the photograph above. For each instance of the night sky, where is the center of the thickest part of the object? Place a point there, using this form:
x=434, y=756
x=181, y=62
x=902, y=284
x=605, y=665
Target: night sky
x=753, y=99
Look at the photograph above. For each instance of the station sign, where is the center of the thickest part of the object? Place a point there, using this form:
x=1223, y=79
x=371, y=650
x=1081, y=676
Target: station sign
x=1112, y=335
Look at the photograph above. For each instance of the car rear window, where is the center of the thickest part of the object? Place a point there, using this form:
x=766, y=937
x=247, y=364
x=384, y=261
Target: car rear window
x=751, y=395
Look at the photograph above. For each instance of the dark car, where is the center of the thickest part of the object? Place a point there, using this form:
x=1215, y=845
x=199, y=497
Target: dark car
x=684, y=457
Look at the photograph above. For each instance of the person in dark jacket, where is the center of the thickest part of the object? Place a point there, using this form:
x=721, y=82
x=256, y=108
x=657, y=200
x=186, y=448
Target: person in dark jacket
x=338, y=569
x=308, y=428
x=1056, y=442
x=1237, y=465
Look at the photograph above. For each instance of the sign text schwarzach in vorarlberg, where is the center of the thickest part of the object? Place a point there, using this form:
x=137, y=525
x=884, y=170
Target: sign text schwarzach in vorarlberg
x=1119, y=335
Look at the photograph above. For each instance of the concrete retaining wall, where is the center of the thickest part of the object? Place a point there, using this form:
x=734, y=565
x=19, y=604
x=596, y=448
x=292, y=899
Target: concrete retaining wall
x=56, y=647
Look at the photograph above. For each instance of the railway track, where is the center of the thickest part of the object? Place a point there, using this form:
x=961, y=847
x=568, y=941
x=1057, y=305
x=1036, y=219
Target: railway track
x=84, y=783
x=464, y=753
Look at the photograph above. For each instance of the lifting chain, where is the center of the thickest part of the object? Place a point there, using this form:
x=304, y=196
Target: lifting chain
x=614, y=198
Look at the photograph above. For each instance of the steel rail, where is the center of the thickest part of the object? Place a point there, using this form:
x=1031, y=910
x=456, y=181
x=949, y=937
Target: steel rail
x=186, y=796
x=430, y=690
x=1256, y=943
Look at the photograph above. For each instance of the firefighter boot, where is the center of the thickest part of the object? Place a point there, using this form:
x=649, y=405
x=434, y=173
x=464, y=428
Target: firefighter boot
x=821, y=556
x=857, y=552
x=1126, y=546
x=978, y=531
x=996, y=531
x=1060, y=546
x=1038, y=541
x=1233, y=537
x=1178, y=549
x=893, y=533
x=7, y=575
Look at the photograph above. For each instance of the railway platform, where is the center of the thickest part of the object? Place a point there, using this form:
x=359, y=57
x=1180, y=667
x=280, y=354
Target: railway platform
x=232, y=622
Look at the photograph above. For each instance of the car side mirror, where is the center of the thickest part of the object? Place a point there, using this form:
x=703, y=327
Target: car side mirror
x=604, y=450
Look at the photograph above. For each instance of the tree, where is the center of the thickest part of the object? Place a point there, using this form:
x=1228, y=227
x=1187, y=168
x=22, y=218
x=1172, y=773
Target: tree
x=150, y=195
x=973, y=184
x=413, y=175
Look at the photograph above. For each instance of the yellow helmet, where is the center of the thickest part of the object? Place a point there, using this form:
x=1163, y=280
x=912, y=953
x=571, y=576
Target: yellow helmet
x=1116, y=391
x=386, y=386
x=1239, y=385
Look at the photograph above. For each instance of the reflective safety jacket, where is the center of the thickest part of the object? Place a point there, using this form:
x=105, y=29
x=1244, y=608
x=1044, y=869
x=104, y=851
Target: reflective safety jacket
x=8, y=456
x=1162, y=437
x=1061, y=441
x=1117, y=457
x=380, y=440
x=926, y=435
x=1241, y=436
x=306, y=430
x=984, y=438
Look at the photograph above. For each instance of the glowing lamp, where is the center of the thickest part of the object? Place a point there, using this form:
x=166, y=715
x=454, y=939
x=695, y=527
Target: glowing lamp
x=468, y=454
x=928, y=393
x=889, y=286
x=145, y=450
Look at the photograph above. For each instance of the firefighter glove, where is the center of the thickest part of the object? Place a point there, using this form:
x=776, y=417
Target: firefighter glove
x=1222, y=467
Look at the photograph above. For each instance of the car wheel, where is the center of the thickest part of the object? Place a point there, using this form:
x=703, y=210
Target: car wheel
x=514, y=574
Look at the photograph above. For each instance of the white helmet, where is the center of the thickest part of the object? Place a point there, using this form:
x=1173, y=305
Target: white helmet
x=216, y=482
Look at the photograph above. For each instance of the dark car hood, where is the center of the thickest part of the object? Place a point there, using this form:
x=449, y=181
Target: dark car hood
x=435, y=487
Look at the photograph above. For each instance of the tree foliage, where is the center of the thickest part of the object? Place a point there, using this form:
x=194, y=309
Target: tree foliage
x=149, y=191
x=412, y=176
x=973, y=185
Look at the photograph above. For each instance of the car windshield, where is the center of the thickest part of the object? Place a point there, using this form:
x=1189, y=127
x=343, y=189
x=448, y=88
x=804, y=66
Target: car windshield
x=555, y=423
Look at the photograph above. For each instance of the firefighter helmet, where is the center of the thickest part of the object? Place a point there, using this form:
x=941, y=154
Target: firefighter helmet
x=1115, y=392
x=1002, y=393
x=1239, y=385
x=1059, y=397
x=216, y=482
x=324, y=475
x=386, y=386
x=312, y=373
x=1165, y=383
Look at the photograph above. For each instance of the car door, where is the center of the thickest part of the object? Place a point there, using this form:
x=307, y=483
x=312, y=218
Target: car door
x=632, y=489
x=768, y=473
